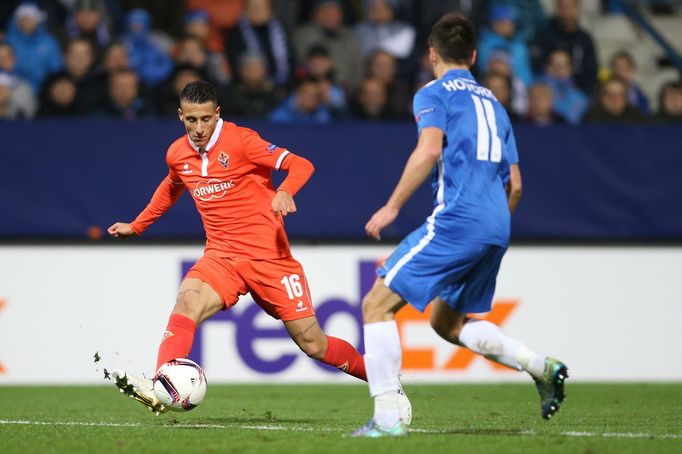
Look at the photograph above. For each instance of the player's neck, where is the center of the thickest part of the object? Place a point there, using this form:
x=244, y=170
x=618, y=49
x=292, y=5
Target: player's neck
x=441, y=68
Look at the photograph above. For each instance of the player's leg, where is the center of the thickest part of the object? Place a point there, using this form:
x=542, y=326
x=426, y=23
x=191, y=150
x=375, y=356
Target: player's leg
x=310, y=338
x=280, y=287
x=383, y=358
x=196, y=301
x=211, y=285
x=484, y=338
x=473, y=294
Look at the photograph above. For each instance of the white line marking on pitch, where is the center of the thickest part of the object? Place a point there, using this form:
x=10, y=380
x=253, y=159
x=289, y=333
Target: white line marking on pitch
x=311, y=429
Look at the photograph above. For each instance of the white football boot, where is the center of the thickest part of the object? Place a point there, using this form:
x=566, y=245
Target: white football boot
x=405, y=407
x=139, y=388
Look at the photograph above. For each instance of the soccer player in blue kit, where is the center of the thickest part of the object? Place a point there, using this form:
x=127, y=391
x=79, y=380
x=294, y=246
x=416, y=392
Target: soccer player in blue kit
x=467, y=144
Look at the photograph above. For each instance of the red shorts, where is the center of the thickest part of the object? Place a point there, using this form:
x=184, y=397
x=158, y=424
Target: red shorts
x=278, y=286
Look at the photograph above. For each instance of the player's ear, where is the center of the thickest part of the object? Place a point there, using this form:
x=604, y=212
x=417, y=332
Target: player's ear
x=217, y=112
x=433, y=56
x=473, y=58
x=180, y=114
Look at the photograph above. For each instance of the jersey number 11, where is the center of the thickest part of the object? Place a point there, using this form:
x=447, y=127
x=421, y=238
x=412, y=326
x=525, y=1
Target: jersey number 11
x=486, y=149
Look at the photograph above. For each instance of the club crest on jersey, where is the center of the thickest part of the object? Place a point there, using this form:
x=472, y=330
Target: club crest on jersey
x=271, y=147
x=186, y=169
x=223, y=159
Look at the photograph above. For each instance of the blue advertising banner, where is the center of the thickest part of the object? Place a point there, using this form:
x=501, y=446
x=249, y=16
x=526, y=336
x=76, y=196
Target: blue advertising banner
x=73, y=178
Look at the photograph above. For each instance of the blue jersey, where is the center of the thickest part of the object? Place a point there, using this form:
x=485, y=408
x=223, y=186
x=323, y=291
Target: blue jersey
x=470, y=201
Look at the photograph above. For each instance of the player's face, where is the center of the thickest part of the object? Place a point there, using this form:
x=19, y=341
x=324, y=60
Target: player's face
x=199, y=120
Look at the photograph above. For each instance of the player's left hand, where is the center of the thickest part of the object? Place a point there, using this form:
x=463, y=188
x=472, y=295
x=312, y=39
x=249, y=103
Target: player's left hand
x=283, y=204
x=382, y=218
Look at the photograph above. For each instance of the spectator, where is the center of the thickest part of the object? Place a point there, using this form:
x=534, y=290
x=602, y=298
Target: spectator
x=168, y=95
x=193, y=52
x=197, y=26
x=422, y=14
x=59, y=98
x=501, y=87
x=564, y=31
x=500, y=36
x=89, y=21
x=167, y=16
x=115, y=58
x=147, y=56
x=383, y=66
x=37, y=51
x=569, y=101
x=23, y=102
x=623, y=65
x=327, y=30
x=670, y=103
x=529, y=16
x=499, y=62
x=371, y=101
x=612, y=105
x=12, y=105
x=258, y=31
x=79, y=58
x=252, y=94
x=303, y=107
x=319, y=66
x=541, y=106
x=220, y=15
x=124, y=100
x=382, y=32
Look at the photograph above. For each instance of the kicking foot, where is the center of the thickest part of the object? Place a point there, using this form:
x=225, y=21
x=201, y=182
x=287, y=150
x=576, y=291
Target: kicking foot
x=405, y=407
x=139, y=388
x=551, y=386
x=374, y=430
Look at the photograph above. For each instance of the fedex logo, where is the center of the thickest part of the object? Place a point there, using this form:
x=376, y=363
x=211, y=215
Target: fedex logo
x=248, y=332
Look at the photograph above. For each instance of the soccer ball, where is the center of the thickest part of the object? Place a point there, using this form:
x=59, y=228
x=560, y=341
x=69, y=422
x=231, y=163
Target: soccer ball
x=180, y=384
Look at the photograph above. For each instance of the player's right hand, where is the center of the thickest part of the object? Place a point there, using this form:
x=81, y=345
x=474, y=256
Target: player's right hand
x=382, y=218
x=120, y=230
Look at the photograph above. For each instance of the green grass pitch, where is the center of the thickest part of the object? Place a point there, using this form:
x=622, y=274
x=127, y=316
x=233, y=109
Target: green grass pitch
x=595, y=418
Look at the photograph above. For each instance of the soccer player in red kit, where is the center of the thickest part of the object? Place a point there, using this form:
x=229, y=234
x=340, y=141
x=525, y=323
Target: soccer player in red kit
x=227, y=170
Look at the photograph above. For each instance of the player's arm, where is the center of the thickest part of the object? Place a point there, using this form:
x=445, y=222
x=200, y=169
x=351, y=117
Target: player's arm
x=299, y=170
x=265, y=154
x=514, y=187
x=417, y=170
x=164, y=197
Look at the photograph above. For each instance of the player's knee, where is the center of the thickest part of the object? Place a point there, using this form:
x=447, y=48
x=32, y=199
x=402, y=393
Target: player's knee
x=189, y=304
x=371, y=311
x=447, y=331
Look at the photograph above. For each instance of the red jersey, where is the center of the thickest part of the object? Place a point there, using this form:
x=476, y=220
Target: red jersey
x=230, y=182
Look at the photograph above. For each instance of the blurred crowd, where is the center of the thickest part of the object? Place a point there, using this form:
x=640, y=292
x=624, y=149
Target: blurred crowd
x=305, y=61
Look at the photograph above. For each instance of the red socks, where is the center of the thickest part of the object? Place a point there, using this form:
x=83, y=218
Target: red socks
x=177, y=340
x=345, y=357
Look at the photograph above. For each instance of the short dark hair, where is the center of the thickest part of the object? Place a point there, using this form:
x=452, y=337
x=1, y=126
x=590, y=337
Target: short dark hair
x=199, y=92
x=454, y=38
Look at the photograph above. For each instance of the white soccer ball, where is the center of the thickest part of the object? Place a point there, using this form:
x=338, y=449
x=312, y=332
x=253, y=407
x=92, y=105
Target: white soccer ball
x=180, y=384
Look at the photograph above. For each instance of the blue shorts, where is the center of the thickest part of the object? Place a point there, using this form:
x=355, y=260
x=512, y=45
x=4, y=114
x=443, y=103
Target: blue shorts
x=462, y=274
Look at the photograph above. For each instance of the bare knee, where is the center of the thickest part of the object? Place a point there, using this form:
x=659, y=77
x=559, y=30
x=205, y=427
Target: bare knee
x=188, y=303
x=447, y=323
x=372, y=311
x=448, y=332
